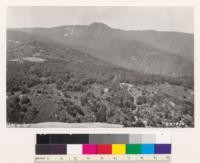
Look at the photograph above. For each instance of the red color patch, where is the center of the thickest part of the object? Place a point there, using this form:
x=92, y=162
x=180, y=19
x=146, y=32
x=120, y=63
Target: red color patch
x=104, y=149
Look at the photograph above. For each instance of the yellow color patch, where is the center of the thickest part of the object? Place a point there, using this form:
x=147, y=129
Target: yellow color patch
x=118, y=148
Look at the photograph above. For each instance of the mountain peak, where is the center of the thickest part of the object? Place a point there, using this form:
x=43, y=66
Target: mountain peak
x=99, y=25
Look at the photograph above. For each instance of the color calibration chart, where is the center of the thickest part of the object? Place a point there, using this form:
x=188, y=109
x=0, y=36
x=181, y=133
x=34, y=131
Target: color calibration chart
x=103, y=148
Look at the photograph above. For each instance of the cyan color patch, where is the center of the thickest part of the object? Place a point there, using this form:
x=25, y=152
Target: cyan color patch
x=147, y=149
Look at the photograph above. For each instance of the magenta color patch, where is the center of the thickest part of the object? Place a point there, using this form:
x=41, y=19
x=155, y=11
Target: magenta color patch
x=89, y=149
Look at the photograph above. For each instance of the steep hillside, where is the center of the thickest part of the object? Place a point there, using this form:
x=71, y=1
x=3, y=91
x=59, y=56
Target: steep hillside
x=48, y=81
x=162, y=53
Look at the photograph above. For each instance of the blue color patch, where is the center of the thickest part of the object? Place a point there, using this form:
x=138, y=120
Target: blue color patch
x=147, y=149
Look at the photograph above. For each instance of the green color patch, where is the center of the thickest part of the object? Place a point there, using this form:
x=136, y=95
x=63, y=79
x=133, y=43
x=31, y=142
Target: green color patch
x=133, y=149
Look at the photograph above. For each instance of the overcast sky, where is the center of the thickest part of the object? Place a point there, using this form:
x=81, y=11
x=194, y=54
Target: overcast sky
x=128, y=18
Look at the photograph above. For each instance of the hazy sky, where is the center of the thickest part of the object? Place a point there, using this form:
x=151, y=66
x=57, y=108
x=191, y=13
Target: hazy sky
x=128, y=18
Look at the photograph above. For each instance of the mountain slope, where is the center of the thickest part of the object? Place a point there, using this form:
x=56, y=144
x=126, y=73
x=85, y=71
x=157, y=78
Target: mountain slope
x=163, y=53
x=71, y=86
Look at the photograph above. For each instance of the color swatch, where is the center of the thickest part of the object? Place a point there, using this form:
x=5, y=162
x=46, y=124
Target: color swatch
x=162, y=148
x=147, y=149
x=51, y=149
x=74, y=149
x=99, y=144
x=118, y=149
x=89, y=149
x=104, y=149
x=133, y=149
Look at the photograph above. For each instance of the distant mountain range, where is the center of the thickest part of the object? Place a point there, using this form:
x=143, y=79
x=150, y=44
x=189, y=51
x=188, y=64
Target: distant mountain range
x=148, y=51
